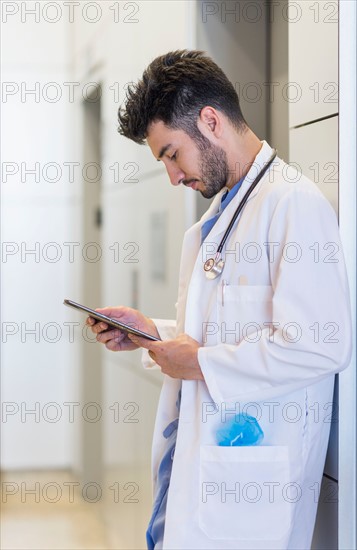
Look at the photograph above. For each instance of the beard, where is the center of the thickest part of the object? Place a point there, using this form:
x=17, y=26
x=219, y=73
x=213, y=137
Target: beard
x=214, y=170
x=213, y=167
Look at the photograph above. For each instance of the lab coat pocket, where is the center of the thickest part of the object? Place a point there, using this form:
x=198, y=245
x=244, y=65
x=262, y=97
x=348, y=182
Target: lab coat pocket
x=244, y=311
x=243, y=493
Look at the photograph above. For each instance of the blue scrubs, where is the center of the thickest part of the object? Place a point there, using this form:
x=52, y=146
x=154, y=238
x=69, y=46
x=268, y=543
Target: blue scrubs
x=155, y=531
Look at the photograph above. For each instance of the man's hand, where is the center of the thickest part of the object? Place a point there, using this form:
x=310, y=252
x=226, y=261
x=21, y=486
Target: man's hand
x=177, y=358
x=115, y=339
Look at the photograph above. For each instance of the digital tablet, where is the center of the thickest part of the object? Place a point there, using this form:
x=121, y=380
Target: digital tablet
x=109, y=321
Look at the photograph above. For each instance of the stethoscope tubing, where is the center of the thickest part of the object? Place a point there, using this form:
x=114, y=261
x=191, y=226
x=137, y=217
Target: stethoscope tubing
x=243, y=202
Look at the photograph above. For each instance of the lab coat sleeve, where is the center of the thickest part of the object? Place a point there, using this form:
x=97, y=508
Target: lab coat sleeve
x=167, y=331
x=311, y=335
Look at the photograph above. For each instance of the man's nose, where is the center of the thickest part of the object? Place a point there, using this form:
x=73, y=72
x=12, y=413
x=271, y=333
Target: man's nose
x=175, y=175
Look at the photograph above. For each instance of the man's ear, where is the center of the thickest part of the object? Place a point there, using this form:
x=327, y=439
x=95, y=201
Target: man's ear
x=210, y=123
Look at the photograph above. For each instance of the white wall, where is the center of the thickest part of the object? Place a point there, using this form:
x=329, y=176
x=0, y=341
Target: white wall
x=313, y=93
x=35, y=368
x=347, y=512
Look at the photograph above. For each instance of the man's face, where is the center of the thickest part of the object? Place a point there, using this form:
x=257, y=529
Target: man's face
x=200, y=165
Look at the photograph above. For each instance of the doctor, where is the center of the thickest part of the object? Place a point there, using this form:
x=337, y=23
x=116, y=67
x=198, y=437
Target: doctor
x=263, y=324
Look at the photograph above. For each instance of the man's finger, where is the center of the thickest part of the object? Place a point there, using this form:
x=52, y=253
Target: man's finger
x=115, y=335
x=139, y=341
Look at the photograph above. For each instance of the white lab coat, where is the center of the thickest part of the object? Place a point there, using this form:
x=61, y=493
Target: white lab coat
x=274, y=329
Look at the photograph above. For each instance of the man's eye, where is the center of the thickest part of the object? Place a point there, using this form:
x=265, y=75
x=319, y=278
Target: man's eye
x=173, y=156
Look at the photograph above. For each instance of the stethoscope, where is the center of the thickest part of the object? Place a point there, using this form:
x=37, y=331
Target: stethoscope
x=214, y=266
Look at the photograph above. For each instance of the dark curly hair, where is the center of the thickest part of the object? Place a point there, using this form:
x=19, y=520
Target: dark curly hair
x=173, y=89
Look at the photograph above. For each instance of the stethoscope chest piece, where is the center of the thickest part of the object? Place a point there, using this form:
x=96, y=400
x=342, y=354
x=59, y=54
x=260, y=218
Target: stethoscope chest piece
x=213, y=268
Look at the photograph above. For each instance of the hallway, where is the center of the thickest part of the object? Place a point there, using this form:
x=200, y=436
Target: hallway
x=45, y=509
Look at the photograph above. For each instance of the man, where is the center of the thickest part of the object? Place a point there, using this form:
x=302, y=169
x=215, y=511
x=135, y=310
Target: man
x=243, y=419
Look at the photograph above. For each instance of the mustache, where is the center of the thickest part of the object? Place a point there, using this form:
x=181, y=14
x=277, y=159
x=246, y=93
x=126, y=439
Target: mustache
x=187, y=182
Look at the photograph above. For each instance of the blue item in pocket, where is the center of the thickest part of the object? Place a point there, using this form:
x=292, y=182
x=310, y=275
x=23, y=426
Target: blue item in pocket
x=242, y=430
